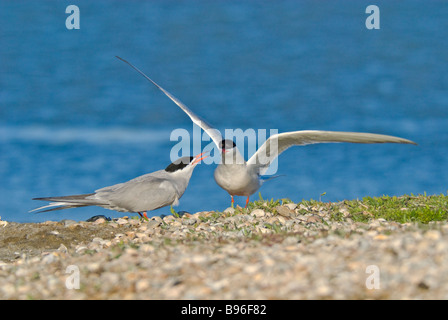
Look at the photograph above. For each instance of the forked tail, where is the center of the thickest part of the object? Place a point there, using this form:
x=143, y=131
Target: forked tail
x=66, y=202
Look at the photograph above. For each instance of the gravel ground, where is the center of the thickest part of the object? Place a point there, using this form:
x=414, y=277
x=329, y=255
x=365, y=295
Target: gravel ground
x=288, y=252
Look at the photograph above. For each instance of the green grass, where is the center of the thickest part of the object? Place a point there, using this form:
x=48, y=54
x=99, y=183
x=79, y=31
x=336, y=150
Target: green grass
x=421, y=208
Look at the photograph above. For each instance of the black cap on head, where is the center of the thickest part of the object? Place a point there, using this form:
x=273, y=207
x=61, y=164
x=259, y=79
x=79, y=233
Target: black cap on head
x=179, y=164
x=227, y=144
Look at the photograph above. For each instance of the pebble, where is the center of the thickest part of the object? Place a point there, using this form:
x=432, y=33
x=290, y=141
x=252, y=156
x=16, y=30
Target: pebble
x=291, y=206
x=258, y=213
x=62, y=248
x=68, y=223
x=80, y=249
x=121, y=221
x=153, y=223
x=229, y=210
x=285, y=211
x=313, y=219
x=168, y=219
x=189, y=222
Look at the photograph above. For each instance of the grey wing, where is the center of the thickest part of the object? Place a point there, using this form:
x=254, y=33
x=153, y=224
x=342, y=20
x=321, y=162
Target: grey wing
x=143, y=193
x=214, y=134
x=278, y=143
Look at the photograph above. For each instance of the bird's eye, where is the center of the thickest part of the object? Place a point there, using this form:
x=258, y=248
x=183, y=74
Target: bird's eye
x=222, y=144
x=227, y=144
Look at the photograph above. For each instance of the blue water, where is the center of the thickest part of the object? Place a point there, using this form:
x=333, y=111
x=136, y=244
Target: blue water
x=73, y=118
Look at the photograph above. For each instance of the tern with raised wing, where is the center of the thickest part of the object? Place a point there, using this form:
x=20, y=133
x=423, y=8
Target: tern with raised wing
x=142, y=194
x=241, y=178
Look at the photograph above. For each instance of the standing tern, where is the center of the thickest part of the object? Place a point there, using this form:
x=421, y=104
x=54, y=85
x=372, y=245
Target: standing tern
x=241, y=178
x=142, y=194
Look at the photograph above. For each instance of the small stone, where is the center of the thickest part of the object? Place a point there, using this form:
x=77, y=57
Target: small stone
x=94, y=246
x=157, y=218
x=284, y=211
x=134, y=222
x=81, y=249
x=151, y=232
x=130, y=234
x=97, y=240
x=176, y=224
x=189, y=222
x=68, y=223
x=291, y=206
x=121, y=221
x=143, y=228
x=62, y=248
x=258, y=213
x=230, y=210
x=168, y=219
x=272, y=220
x=106, y=243
x=344, y=212
x=281, y=219
x=313, y=219
x=143, y=237
x=153, y=223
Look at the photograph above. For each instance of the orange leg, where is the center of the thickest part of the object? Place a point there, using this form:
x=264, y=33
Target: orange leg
x=233, y=201
x=143, y=216
x=247, y=202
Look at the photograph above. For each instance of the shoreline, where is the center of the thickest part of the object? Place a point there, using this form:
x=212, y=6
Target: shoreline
x=273, y=250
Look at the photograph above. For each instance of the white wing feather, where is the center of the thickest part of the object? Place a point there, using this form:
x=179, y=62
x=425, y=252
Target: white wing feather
x=278, y=143
x=214, y=134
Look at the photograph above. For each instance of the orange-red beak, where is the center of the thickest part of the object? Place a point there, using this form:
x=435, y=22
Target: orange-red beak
x=200, y=157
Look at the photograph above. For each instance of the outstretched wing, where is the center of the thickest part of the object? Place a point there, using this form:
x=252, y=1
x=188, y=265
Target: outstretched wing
x=278, y=143
x=214, y=134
